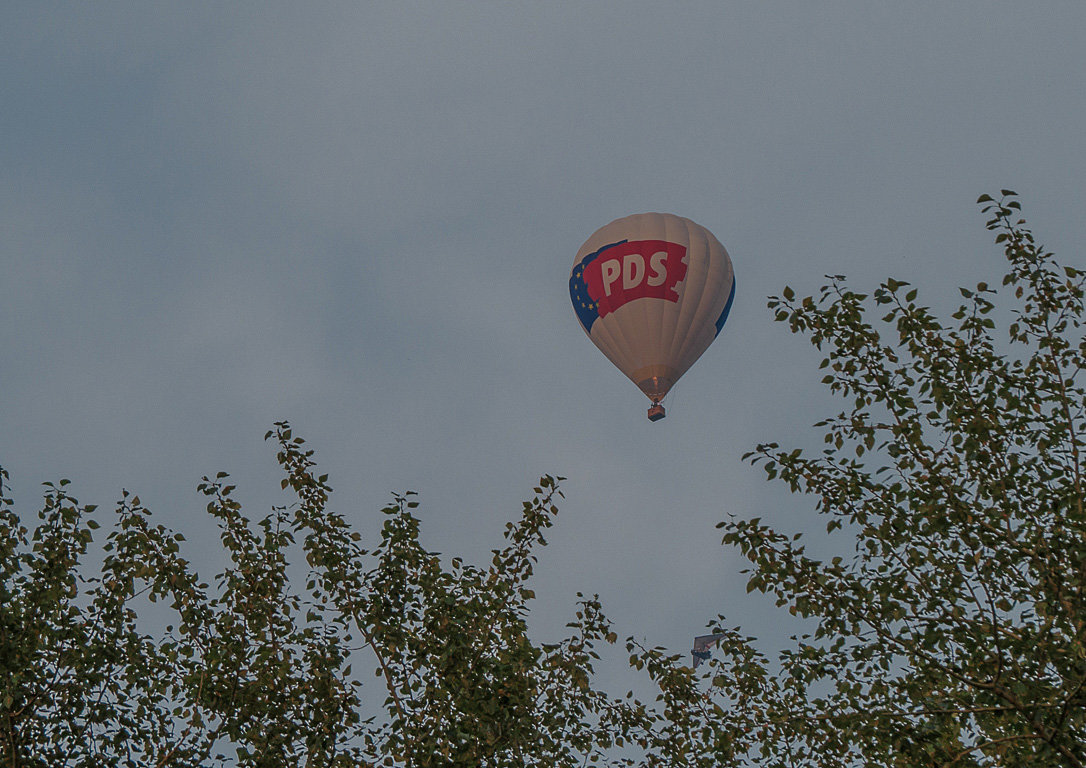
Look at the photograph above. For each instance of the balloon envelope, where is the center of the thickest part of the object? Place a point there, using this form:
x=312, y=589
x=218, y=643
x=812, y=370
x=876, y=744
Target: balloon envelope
x=652, y=291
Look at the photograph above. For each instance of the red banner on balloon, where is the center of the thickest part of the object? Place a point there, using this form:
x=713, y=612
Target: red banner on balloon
x=635, y=269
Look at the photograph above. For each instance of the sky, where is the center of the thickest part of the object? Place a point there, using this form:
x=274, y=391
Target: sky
x=361, y=218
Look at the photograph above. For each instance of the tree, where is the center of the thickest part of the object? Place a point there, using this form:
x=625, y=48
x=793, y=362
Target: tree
x=953, y=632
x=256, y=672
x=948, y=632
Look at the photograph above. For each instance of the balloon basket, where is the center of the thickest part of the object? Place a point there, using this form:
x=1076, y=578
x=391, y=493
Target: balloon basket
x=656, y=412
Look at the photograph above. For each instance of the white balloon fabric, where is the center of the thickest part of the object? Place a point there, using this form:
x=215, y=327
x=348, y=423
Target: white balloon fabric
x=652, y=291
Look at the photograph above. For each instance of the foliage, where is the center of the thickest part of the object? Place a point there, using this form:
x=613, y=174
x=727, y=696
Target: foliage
x=954, y=633
x=255, y=672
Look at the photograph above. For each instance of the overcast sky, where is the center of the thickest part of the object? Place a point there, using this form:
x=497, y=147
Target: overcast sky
x=362, y=217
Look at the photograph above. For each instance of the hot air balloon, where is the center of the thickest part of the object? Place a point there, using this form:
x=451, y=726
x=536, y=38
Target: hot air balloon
x=652, y=291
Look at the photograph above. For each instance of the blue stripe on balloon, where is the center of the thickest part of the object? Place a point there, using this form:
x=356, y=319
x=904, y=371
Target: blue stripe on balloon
x=583, y=305
x=727, y=308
